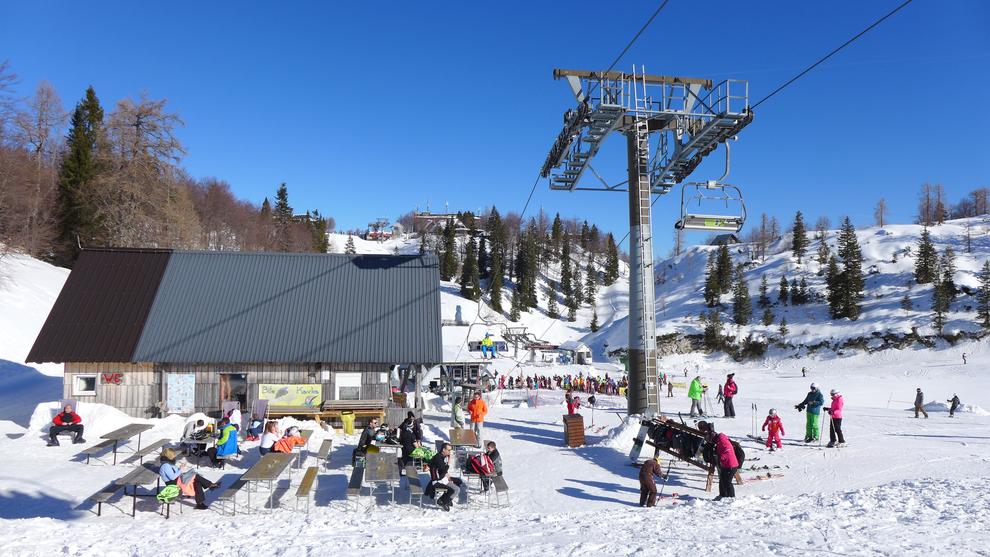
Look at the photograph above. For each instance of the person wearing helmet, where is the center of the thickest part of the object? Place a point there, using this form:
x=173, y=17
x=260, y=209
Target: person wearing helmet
x=813, y=402
x=488, y=348
x=728, y=392
x=835, y=424
x=647, y=483
x=774, y=428
x=919, y=404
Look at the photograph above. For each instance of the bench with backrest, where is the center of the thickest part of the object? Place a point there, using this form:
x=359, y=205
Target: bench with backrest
x=230, y=494
x=415, y=484
x=306, y=487
x=98, y=448
x=355, y=483
x=145, y=451
x=324, y=455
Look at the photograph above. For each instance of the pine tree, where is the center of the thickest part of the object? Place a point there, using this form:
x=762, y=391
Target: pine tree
x=713, y=330
x=783, y=295
x=906, y=303
x=783, y=327
x=824, y=253
x=983, y=296
x=552, y=311
x=556, y=233
x=422, y=244
x=803, y=291
x=927, y=260
x=515, y=311
x=711, y=292
x=283, y=219
x=470, y=281
x=723, y=269
x=834, y=286
x=448, y=253
x=349, y=248
x=496, y=231
x=767, y=317
x=940, y=302
x=533, y=250
x=795, y=293
x=595, y=239
x=852, y=270
x=484, y=261
x=566, y=277
x=572, y=314
x=578, y=287
x=948, y=264
x=742, y=307
x=590, y=280
x=611, y=260
x=585, y=234
x=594, y=320
x=799, y=242
x=764, y=301
x=77, y=216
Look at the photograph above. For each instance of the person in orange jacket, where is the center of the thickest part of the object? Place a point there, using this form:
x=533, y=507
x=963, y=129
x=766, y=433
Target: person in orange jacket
x=478, y=410
x=290, y=440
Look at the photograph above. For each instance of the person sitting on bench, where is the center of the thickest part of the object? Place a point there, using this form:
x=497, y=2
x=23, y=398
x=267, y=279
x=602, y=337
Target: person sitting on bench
x=190, y=483
x=269, y=438
x=66, y=420
x=496, y=460
x=254, y=428
x=440, y=480
x=194, y=436
x=365, y=442
x=290, y=440
x=226, y=444
x=410, y=437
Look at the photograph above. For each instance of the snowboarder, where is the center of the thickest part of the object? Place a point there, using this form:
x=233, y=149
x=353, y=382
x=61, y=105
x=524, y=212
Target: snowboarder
x=728, y=392
x=954, y=402
x=813, y=402
x=694, y=393
x=647, y=484
x=835, y=424
x=774, y=428
x=66, y=420
x=919, y=404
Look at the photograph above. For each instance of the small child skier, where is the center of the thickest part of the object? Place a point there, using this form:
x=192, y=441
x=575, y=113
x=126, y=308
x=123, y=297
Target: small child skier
x=775, y=431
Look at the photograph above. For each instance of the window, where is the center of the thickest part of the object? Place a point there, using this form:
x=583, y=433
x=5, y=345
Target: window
x=83, y=385
x=348, y=385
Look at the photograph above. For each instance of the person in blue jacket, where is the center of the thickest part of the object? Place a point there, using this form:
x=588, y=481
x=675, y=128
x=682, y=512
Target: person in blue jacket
x=813, y=402
x=226, y=443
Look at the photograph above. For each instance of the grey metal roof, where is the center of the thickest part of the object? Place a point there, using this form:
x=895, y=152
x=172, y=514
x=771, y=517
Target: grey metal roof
x=228, y=307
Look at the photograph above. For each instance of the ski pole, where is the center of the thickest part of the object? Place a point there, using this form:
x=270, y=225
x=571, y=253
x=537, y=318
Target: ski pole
x=667, y=475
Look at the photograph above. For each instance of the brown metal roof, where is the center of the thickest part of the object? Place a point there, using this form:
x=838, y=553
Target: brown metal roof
x=102, y=309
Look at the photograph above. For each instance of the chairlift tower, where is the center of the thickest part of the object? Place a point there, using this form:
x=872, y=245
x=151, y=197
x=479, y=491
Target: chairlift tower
x=689, y=117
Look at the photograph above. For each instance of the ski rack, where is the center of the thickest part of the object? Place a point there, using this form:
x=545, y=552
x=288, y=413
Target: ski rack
x=684, y=428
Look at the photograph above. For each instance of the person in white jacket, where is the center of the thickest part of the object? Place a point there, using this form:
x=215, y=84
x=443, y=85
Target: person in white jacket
x=457, y=415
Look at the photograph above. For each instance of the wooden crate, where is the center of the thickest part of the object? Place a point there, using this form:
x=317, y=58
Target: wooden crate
x=574, y=430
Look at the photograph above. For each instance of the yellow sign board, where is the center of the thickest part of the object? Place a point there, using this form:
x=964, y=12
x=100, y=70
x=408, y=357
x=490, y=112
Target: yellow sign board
x=291, y=395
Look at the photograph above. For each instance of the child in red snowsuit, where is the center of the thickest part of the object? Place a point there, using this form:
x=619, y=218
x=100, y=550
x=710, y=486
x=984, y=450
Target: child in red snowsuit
x=776, y=429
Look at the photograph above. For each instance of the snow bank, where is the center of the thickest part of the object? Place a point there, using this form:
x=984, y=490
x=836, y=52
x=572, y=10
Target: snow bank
x=97, y=419
x=22, y=388
x=963, y=408
x=28, y=289
x=621, y=436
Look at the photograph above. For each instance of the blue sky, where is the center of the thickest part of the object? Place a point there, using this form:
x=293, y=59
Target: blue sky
x=371, y=109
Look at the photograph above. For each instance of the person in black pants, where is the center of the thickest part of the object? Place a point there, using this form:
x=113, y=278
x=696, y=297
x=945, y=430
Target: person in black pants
x=66, y=420
x=441, y=486
x=171, y=474
x=367, y=437
x=410, y=437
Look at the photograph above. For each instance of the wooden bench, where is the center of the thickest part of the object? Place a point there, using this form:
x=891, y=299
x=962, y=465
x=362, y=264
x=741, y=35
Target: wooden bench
x=324, y=454
x=98, y=448
x=354, y=485
x=230, y=494
x=145, y=451
x=500, y=487
x=103, y=496
x=415, y=484
x=306, y=486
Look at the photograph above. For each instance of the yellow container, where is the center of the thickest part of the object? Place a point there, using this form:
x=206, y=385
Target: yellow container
x=348, y=418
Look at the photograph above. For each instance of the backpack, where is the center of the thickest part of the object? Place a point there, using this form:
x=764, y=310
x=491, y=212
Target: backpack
x=168, y=494
x=481, y=464
x=740, y=454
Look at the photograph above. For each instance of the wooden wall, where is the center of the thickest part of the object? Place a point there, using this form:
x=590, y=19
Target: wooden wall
x=138, y=391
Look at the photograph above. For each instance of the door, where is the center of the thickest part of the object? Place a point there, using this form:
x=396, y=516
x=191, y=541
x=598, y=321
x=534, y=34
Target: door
x=233, y=387
x=180, y=393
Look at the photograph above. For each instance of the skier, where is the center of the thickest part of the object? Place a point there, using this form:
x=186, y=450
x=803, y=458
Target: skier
x=774, y=428
x=813, y=402
x=670, y=389
x=954, y=401
x=964, y=358
x=725, y=458
x=804, y=372
x=694, y=393
x=728, y=392
x=919, y=404
x=647, y=484
x=835, y=424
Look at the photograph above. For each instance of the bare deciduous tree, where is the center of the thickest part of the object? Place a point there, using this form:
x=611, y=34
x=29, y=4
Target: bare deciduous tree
x=880, y=212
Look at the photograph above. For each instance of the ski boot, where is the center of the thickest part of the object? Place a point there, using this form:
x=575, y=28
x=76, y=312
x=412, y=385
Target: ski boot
x=53, y=442
x=831, y=444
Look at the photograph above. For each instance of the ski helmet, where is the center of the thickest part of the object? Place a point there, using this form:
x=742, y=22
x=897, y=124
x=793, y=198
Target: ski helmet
x=814, y=386
x=833, y=392
x=773, y=411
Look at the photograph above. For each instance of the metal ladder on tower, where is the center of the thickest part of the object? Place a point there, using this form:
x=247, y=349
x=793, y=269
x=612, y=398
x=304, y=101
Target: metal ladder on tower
x=645, y=275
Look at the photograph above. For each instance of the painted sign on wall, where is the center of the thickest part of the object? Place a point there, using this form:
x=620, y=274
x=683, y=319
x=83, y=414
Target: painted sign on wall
x=112, y=378
x=291, y=395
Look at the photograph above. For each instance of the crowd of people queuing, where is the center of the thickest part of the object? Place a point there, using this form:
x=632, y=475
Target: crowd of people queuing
x=575, y=383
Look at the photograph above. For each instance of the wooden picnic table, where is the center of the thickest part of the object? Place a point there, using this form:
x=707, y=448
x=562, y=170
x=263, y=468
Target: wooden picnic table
x=268, y=469
x=122, y=435
x=463, y=438
x=394, y=448
x=381, y=469
x=298, y=449
x=139, y=476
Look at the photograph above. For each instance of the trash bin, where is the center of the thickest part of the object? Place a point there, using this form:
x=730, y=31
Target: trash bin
x=348, y=418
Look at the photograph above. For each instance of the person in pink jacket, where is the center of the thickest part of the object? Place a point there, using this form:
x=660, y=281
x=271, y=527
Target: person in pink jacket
x=835, y=424
x=774, y=428
x=725, y=459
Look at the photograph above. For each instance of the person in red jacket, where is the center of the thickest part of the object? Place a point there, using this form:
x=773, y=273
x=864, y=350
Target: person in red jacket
x=774, y=428
x=573, y=406
x=728, y=392
x=725, y=459
x=66, y=420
